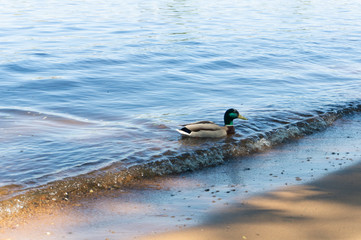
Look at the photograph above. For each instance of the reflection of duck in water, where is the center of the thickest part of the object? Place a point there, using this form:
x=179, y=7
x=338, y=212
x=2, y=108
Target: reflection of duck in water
x=209, y=129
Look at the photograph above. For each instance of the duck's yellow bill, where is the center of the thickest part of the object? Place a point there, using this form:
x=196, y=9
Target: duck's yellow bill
x=241, y=117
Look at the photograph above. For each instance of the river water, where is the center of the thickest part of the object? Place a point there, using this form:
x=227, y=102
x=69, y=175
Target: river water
x=91, y=92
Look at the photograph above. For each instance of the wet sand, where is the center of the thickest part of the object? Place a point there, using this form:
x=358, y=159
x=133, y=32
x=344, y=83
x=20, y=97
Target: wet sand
x=329, y=208
x=306, y=189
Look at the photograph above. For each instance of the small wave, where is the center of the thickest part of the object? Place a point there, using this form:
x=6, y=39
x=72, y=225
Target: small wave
x=24, y=114
x=219, y=65
x=23, y=67
x=120, y=175
x=16, y=122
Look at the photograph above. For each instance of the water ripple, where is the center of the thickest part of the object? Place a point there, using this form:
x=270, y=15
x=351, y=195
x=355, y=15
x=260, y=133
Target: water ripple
x=87, y=86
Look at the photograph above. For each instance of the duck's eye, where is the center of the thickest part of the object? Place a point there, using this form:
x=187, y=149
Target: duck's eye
x=233, y=115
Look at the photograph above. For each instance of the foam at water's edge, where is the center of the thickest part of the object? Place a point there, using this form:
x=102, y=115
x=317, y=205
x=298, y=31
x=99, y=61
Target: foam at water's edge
x=117, y=176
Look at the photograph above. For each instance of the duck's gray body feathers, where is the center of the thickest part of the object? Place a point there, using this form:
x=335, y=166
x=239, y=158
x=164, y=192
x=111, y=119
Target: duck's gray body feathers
x=204, y=129
x=208, y=129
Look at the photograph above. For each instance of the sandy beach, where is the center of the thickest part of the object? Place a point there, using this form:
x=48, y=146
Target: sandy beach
x=329, y=208
x=306, y=189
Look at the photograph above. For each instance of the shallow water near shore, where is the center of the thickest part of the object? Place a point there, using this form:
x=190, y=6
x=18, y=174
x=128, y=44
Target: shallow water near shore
x=91, y=92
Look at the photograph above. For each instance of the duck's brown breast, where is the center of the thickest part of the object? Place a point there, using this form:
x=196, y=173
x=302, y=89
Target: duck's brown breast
x=230, y=130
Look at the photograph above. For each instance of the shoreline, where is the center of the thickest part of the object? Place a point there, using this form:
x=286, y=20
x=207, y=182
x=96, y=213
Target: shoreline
x=116, y=176
x=183, y=202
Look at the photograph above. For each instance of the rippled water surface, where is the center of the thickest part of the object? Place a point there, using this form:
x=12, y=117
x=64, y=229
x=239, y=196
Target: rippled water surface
x=88, y=85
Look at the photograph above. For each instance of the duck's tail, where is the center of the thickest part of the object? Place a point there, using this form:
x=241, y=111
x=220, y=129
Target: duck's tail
x=184, y=131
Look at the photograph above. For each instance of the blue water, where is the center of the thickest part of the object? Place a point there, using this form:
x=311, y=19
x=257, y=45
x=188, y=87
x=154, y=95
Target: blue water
x=88, y=84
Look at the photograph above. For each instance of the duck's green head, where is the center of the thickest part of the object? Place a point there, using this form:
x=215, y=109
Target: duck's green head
x=230, y=115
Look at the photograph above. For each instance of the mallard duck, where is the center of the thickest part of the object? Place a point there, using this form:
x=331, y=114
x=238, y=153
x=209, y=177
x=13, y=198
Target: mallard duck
x=208, y=129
